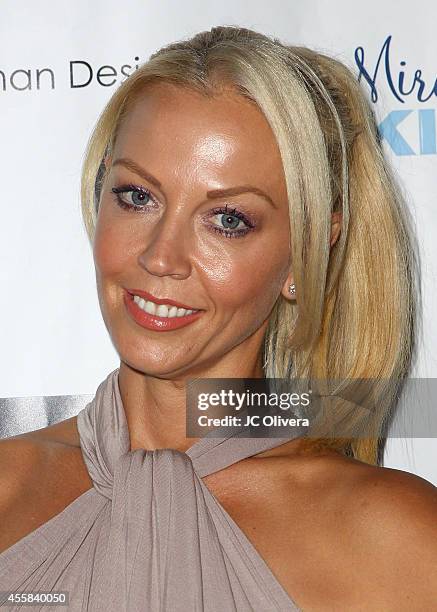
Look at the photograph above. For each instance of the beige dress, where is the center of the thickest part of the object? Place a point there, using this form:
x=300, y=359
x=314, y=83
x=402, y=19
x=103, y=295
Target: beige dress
x=149, y=535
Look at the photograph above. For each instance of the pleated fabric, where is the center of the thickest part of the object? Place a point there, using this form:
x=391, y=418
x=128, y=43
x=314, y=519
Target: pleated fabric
x=149, y=536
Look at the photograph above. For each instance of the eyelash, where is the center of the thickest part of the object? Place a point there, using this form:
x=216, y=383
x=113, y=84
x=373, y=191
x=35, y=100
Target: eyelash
x=216, y=211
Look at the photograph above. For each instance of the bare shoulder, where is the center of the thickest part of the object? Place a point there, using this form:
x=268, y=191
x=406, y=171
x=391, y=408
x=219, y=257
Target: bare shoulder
x=41, y=473
x=65, y=432
x=334, y=529
x=394, y=514
x=39, y=456
x=375, y=525
x=39, y=459
x=405, y=499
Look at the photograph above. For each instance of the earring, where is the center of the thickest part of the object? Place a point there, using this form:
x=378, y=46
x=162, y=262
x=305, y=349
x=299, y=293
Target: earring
x=292, y=289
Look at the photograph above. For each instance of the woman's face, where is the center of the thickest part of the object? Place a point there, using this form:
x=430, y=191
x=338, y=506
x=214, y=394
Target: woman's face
x=170, y=232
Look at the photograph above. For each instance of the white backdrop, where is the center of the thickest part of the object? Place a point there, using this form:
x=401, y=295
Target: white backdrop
x=52, y=88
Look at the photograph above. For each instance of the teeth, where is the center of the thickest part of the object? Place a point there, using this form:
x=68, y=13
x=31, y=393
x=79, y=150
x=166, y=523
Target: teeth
x=161, y=310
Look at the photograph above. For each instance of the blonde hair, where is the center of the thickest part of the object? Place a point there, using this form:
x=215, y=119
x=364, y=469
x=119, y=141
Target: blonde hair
x=356, y=304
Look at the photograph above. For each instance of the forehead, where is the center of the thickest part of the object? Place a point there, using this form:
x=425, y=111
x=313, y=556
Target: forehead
x=223, y=132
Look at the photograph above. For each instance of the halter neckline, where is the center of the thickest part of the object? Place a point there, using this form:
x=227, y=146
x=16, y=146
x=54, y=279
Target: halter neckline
x=105, y=439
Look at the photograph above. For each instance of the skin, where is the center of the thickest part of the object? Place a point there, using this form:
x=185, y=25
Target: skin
x=337, y=533
x=191, y=145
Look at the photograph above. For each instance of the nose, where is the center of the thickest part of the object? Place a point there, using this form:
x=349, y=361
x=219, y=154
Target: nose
x=167, y=249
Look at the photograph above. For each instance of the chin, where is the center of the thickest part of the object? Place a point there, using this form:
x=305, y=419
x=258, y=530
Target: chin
x=142, y=356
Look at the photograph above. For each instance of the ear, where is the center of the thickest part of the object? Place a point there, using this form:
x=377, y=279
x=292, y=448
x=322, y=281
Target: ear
x=336, y=220
x=286, y=288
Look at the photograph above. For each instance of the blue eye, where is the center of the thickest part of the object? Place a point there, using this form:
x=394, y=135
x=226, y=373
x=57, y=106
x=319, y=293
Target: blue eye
x=138, y=197
x=230, y=220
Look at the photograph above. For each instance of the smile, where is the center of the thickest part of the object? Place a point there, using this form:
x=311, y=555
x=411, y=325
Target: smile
x=158, y=317
x=161, y=310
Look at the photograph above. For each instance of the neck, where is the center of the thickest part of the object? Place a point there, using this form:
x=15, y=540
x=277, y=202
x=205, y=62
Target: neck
x=155, y=408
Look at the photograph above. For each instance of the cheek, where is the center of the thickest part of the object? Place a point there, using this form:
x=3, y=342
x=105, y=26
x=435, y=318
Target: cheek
x=110, y=248
x=248, y=277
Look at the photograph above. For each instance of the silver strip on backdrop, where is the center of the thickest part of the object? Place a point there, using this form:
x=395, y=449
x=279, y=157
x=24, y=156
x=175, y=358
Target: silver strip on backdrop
x=22, y=414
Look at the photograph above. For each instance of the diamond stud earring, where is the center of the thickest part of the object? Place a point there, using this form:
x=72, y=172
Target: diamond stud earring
x=292, y=289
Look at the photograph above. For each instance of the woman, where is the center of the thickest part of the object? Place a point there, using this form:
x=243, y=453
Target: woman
x=241, y=179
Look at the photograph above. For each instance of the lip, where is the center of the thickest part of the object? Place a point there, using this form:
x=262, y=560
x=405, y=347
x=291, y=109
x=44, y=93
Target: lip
x=153, y=322
x=152, y=298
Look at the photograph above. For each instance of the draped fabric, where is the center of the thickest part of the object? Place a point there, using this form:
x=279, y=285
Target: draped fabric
x=149, y=535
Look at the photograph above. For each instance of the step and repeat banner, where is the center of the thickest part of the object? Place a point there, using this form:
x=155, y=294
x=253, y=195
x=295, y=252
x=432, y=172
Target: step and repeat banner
x=59, y=64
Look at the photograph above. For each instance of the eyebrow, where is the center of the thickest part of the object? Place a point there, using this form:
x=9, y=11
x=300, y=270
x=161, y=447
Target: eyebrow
x=212, y=193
